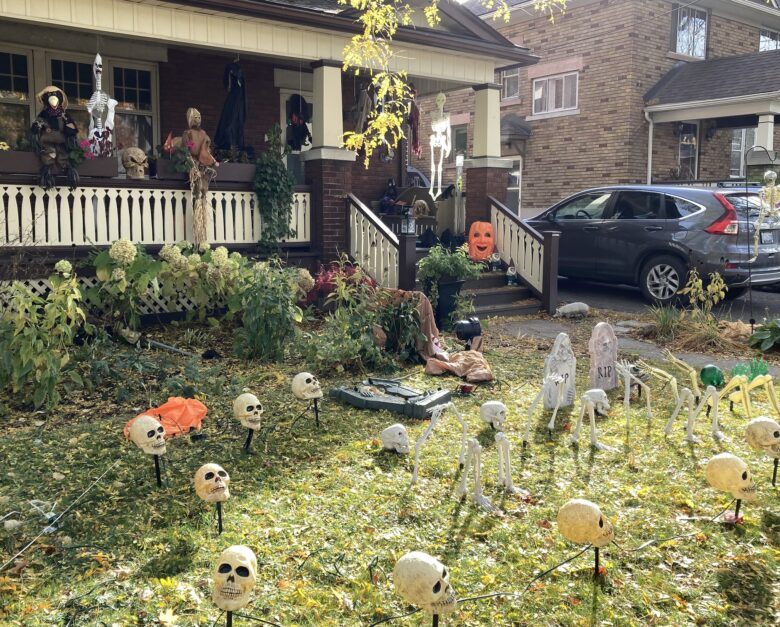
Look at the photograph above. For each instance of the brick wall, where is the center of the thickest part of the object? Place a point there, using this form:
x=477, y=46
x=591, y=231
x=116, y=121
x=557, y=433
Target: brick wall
x=330, y=181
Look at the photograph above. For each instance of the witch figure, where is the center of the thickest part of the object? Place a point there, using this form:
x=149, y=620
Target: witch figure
x=230, y=130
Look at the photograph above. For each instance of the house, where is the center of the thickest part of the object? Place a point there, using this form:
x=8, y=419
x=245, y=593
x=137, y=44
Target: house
x=161, y=57
x=630, y=91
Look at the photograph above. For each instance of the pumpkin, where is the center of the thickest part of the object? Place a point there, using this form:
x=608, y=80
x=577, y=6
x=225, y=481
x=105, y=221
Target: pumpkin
x=481, y=241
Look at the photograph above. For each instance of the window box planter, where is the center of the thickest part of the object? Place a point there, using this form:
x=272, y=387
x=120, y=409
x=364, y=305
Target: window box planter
x=17, y=162
x=166, y=170
x=236, y=172
x=100, y=167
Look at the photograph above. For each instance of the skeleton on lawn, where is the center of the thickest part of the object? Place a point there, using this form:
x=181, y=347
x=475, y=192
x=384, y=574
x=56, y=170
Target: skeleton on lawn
x=101, y=115
x=592, y=401
x=552, y=383
x=632, y=375
x=504, y=448
x=436, y=413
x=770, y=197
x=684, y=398
x=474, y=465
x=562, y=362
x=441, y=142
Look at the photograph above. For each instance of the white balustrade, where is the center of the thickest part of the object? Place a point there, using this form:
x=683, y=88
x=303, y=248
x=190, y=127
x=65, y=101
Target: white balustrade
x=373, y=245
x=516, y=242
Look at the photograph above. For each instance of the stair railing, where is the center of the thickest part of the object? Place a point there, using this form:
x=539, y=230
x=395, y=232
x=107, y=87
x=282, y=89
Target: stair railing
x=534, y=255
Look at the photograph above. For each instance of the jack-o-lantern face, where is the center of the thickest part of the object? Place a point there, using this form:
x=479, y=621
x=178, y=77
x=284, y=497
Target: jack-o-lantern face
x=481, y=244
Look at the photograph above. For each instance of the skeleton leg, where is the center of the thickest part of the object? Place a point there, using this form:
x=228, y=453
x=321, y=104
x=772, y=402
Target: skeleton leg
x=433, y=167
x=690, y=436
x=479, y=498
x=441, y=166
x=505, y=465
x=693, y=376
x=464, y=477
x=561, y=390
x=769, y=386
x=464, y=433
x=711, y=394
x=575, y=436
x=662, y=375
x=593, y=439
x=436, y=413
x=530, y=415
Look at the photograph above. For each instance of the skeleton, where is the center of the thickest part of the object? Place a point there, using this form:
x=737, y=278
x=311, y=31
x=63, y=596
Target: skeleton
x=572, y=310
x=148, y=434
x=693, y=376
x=661, y=375
x=742, y=395
x=494, y=414
x=770, y=196
x=631, y=375
x=504, y=448
x=441, y=141
x=685, y=398
x=556, y=383
x=424, y=582
x=234, y=578
x=582, y=522
x=135, y=162
x=763, y=434
x=395, y=438
x=305, y=386
x=212, y=483
x=603, y=348
x=248, y=411
x=436, y=413
x=728, y=473
x=562, y=362
x=711, y=400
x=592, y=401
x=474, y=463
x=101, y=115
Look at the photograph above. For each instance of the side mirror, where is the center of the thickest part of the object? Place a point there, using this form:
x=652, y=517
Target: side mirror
x=550, y=217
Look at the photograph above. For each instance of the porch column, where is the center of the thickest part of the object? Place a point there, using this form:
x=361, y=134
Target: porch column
x=328, y=167
x=486, y=172
x=765, y=135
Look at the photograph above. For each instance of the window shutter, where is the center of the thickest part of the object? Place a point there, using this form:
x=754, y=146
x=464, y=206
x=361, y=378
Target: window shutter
x=673, y=31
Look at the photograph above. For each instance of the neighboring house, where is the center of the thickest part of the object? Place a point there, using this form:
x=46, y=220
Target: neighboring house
x=698, y=79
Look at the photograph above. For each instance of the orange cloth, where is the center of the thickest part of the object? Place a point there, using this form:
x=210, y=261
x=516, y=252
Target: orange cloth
x=179, y=415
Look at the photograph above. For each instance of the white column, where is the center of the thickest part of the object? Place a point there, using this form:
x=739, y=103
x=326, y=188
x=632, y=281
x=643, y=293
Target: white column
x=328, y=127
x=765, y=135
x=487, y=121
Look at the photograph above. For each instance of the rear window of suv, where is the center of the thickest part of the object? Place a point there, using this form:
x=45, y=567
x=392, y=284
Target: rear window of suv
x=679, y=207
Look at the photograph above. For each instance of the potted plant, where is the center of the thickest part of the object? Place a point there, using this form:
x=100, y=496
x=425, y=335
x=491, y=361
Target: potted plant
x=174, y=164
x=442, y=274
x=18, y=158
x=237, y=166
x=87, y=164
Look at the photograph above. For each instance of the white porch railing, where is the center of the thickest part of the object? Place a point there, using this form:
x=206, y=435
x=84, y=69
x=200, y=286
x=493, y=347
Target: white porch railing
x=372, y=244
x=96, y=215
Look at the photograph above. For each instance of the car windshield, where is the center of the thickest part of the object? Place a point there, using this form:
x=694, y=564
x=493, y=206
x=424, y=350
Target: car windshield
x=744, y=203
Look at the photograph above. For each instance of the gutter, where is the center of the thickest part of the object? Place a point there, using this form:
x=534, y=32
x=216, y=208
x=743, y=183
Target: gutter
x=690, y=104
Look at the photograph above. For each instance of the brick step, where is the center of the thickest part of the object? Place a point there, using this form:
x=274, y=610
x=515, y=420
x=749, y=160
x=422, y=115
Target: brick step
x=486, y=280
x=497, y=295
x=517, y=308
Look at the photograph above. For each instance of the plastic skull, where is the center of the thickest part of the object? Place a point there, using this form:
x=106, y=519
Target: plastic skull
x=135, y=162
x=234, y=578
x=306, y=387
x=148, y=434
x=493, y=413
x=763, y=434
x=729, y=473
x=582, y=522
x=424, y=582
x=599, y=399
x=212, y=483
x=248, y=410
x=395, y=438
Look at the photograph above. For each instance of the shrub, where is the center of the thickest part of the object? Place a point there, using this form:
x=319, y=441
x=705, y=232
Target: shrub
x=766, y=336
x=441, y=264
x=274, y=186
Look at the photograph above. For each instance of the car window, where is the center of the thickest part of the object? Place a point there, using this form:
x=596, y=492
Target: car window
x=638, y=206
x=588, y=206
x=679, y=207
x=742, y=202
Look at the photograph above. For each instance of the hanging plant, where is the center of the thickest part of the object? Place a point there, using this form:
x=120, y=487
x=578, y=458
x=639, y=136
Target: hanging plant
x=274, y=186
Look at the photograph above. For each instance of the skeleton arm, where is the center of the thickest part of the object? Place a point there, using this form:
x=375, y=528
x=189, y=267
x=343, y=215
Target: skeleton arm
x=624, y=370
x=693, y=376
x=436, y=413
x=664, y=376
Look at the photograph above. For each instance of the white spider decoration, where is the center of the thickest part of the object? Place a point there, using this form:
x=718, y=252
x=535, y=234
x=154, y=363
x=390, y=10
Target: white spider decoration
x=592, y=400
x=474, y=465
x=436, y=413
x=629, y=374
x=554, y=385
x=504, y=448
x=685, y=399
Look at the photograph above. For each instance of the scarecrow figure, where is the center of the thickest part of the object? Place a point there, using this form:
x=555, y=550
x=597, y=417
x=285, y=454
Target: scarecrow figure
x=202, y=173
x=54, y=136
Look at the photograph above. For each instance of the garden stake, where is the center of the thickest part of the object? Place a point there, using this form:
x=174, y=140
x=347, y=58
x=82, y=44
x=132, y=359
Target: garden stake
x=229, y=620
x=596, y=570
x=317, y=412
x=219, y=516
x=248, y=442
x=157, y=470
x=435, y=620
x=736, y=510
x=774, y=473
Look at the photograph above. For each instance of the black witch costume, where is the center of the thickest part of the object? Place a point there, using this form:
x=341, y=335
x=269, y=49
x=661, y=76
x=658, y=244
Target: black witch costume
x=54, y=136
x=230, y=129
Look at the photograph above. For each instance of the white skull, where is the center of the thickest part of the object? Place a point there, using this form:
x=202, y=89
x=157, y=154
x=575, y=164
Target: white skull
x=212, y=483
x=493, y=413
x=148, y=434
x=763, y=434
x=234, y=578
x=395, y=438
x=135, y=162
x=582, y=522
x=248, y=410
x=424, y=582
x=729, y=473
x=306, y=387
x=599, y=398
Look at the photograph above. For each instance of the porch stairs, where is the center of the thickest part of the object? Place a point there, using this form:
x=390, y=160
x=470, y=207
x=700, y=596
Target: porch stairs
x=494, y=298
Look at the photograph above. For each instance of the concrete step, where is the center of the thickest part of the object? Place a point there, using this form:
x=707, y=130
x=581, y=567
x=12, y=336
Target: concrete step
x=486, y=280
x=498, y=295
x=517, y=308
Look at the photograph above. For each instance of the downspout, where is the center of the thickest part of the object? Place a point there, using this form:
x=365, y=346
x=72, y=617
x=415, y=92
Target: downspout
x=649, y=148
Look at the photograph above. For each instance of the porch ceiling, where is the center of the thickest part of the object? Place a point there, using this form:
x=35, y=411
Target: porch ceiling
x=755, y=104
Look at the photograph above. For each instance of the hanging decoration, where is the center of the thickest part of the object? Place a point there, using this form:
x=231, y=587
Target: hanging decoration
x=54, y=136
x=230, y=128
x=441, y=144
x=101, y=108
x=298, y=119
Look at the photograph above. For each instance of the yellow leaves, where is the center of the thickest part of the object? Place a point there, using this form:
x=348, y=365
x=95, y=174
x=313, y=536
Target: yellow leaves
x=167, y=618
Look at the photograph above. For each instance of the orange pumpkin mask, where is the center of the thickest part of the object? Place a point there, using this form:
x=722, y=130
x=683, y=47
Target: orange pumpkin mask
x=481, y=244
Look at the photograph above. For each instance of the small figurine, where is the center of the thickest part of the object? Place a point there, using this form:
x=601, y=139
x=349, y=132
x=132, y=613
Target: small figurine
x=54, y=136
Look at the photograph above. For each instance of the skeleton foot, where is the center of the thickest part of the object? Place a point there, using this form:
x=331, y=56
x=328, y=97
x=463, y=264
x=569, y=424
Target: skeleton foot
x=603, y=447
x=484, y=503
x=692, y=439
x=718, y=435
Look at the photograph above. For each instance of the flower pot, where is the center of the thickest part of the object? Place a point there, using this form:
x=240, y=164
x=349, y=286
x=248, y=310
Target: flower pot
x=17, y=162
x=446, y=304
x=166, y=170
x=236, y=172
x=100, y=167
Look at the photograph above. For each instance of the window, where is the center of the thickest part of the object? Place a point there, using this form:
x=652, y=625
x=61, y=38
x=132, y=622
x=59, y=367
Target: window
x=589, y=206
x=768, y=40
x=460, y=141
x=14, y=97
x=688, y=155
x=638, y=206
x=690, y=32
x=513, y=188
x=742, y=139
x=680, y=208
x=555, y=93
x=510, y=83
x=75, y=78
x=133, y=122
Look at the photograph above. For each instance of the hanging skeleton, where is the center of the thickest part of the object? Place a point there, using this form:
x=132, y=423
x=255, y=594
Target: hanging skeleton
x=202, y=173
x=770, y=197
x=474, y=464
x=440, y=142
x=101, y=115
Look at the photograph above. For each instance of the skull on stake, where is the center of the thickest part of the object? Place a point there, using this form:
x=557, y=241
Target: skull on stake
x=212, y=483
x=395, y=438
x=135, y=162
x=248, y=410
x=493, y=413
x=306, y=387
x=424, y=582
x=763, y=434
x=582, y=522
x=234, y=578
x=729, y=473
x=148, y=434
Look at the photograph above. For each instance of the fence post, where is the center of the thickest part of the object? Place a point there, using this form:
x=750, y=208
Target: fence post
x=550, y=271
x=407, y=260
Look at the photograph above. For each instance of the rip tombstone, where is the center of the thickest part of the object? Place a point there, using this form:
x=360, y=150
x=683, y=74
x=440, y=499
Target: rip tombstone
x=603, y=348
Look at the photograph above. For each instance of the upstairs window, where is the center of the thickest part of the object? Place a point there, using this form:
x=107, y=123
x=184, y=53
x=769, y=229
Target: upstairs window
x=555, y=93
x=689, y=30
x=510, y=84
x=460, y=141
x=768, y=40
x=14, y=97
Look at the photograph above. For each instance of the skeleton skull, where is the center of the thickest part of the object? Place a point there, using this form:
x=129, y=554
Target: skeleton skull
x=582, y=522
x=135, y=162
x=148, y=434
x=306, y=387
x=212, y=483
x=729, y=473
x=234, y=578
x=395, y=438
x=599, y=399
x=423, y=581
x=763, y=434
x=493, y=413
x=248, y=410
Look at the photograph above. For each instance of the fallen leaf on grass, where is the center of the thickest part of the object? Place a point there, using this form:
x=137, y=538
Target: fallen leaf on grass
x=167, y=618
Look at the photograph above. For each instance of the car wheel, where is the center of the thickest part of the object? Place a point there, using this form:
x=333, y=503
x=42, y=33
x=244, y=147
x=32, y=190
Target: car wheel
x=661, y=278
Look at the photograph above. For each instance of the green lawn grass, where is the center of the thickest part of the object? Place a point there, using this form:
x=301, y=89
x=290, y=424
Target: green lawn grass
x=328, y=513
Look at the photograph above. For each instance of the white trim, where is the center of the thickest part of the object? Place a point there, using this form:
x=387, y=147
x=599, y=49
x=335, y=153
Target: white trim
x=552, y=114
x=328, y=153
x=549, y=96
x=513, y=73
x=488, y=162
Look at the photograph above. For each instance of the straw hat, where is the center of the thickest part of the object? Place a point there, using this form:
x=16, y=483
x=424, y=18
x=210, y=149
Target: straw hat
x=50, y=88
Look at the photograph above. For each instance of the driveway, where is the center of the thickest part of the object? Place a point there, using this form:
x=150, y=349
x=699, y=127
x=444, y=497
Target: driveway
x=604, y=296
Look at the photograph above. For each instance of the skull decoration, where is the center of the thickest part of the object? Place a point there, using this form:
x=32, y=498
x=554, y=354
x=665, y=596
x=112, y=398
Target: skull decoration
x=729, y=473
x=763, y=434
x=212, y=483
x=395, y=438
x=248, y=410
x=582, y=522
x=148, y=434
x=599, y=399
x=306, y=387
x=234, y=578
x=135, y=162
x=493, y=413
x=424, y=582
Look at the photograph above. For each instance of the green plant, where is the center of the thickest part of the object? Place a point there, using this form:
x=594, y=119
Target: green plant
x=464, y=307
x=401, y=323
x=766, y=336
x=702, y=298
x=441, y=264
x=182, y=158
x=274, y=186
x=667, y=320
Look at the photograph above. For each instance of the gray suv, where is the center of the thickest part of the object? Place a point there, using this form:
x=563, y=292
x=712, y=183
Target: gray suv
x=650, y=235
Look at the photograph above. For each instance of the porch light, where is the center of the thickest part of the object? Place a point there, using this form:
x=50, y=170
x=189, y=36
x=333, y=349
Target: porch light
x=407, y=222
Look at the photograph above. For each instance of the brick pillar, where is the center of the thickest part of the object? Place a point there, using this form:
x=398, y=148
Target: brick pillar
x=330, y=181
x=482, y=182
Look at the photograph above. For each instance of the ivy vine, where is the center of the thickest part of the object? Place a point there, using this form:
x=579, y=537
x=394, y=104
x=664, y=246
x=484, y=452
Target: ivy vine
x=274, y=186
